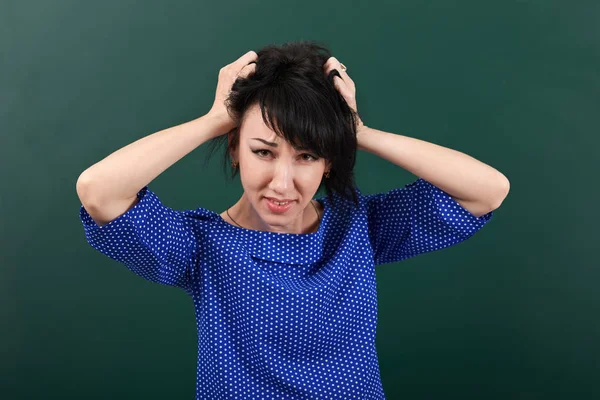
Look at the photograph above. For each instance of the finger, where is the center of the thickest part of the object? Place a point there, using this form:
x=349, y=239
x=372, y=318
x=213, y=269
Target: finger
x=333, y=63
x=346, y=91
x=245, y=60
x=247, y=70
x=343, y=88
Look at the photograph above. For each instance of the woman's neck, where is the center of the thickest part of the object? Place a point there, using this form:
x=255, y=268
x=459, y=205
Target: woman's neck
x=244, y=214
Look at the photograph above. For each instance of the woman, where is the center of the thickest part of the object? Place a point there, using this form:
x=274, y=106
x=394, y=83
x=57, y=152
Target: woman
x=283, y=284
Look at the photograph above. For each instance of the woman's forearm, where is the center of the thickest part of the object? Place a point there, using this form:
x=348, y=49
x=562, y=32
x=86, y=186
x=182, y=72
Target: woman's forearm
x=123, y=173
x=458, y=174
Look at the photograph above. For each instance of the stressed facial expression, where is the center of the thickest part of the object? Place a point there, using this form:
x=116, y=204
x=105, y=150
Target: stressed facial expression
x=279, y=181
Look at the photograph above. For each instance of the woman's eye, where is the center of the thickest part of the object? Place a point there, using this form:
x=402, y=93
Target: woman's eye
x=261, y=152
x=310, y=157
x=265, y=153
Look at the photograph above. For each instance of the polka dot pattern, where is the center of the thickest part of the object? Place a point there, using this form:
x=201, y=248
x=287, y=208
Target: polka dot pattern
x=281, y=315
x=417, y=219
x=154, y=241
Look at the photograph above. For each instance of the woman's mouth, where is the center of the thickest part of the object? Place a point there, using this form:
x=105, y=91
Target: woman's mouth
x=279, y=207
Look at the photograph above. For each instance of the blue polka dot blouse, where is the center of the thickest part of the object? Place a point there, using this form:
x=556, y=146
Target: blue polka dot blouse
x=283, y=315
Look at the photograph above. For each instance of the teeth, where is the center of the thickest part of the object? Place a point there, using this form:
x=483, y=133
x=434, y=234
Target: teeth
x=280, y=204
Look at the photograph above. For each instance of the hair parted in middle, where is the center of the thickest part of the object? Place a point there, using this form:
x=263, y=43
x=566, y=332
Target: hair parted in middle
x=300, y=104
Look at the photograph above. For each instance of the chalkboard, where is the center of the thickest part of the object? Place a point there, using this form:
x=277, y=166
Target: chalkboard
x=509, y=313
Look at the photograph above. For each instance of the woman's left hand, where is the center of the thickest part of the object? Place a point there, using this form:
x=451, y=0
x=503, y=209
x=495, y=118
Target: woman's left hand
x=345, y=86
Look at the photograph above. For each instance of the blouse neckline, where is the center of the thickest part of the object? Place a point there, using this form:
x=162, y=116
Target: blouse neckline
x=289, y=248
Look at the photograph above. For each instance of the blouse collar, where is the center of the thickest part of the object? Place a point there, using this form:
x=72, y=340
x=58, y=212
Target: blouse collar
x=289, y=248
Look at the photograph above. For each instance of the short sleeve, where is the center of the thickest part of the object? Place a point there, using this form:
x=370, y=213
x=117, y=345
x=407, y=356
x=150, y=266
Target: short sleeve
x=416, y=219
x=152, y=240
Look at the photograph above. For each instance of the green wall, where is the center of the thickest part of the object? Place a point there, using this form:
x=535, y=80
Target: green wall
x=510, y=313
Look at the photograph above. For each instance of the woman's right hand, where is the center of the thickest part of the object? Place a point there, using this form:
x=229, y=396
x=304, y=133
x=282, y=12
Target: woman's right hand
x=242, y=67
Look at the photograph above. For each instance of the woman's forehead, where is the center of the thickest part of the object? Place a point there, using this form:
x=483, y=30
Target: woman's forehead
x=252, y=132
x=254, y=127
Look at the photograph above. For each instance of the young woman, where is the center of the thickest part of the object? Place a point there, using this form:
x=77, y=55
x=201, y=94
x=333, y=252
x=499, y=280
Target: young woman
x=283, y=284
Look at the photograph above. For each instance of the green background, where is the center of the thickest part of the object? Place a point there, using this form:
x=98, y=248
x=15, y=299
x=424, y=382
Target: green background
x=513, y=312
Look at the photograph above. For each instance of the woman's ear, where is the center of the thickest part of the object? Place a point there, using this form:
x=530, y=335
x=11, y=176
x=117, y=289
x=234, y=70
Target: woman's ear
x=233, y=152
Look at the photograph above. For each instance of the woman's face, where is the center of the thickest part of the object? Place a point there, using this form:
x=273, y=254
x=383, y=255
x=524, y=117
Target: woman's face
x=272, y=171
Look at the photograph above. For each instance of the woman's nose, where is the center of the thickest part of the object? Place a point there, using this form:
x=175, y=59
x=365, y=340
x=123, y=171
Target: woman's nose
x=282, y=179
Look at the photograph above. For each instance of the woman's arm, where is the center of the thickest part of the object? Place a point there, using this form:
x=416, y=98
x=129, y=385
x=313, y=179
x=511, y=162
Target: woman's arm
x=109, y=187
x=476, y=186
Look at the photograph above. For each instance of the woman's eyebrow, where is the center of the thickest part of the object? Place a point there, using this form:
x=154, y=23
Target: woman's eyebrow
x=265, y=142
x=273, y=144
